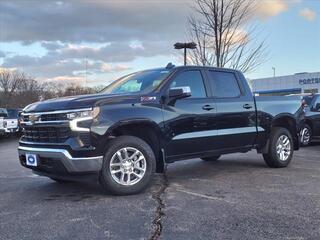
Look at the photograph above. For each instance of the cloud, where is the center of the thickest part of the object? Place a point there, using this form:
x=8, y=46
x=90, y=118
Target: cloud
x=51, y=46
x=109, y=34
x=237, y=36
x=267, y=8
x=79, y=80
x=92, y=21
x=116, y=52
x=105, y=67
x=52, y=65
x=105, y=34
x=73, y=59
x=308, y=14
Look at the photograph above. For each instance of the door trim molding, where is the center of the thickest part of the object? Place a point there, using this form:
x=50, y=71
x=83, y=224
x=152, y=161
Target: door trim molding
x=219, y=132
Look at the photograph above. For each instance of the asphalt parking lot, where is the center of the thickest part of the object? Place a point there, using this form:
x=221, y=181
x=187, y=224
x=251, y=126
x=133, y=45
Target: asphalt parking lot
x=237, y=197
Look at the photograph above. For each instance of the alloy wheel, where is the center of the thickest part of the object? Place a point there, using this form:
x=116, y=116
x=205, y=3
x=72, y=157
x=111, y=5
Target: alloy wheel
x=128, y=166
x=283, y=147
x=305, y=136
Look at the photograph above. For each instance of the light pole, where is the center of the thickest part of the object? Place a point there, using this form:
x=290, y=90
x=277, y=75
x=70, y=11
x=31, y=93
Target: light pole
x=274, y=71
x=184, y=46
x=86, y=71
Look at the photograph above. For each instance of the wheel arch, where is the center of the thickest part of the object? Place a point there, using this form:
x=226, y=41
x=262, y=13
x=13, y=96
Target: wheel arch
x=309, y=123
x=288, y=122
x=145, y=129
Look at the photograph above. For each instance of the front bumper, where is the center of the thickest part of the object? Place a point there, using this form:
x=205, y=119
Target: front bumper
x=60, y=161
x=11, y=130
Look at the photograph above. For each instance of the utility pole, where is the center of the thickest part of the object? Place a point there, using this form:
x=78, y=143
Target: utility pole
x=184, y=46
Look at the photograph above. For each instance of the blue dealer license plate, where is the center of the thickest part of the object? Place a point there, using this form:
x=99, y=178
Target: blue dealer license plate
x=31, y=159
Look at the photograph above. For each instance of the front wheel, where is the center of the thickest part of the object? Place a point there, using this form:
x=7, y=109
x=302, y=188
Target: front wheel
x=280, y=150
x=127, y=166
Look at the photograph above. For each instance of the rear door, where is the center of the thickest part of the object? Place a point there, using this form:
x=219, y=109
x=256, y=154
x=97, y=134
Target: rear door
x=190, y=123
x=236, y=118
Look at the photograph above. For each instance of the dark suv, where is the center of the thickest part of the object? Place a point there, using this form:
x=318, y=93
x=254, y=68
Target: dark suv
x=149, y=118
x=312, y=111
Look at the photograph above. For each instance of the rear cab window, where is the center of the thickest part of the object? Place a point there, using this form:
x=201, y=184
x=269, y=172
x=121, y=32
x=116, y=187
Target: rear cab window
x=224, y=84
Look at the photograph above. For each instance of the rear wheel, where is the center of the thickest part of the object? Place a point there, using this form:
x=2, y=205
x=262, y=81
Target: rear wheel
x=280, y=150
x=127, y=166
x=305, y=135
x=211, y=159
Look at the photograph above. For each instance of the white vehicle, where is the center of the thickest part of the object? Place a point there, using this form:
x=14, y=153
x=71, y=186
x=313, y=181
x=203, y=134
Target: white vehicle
x=11, y=122
x=3, y=114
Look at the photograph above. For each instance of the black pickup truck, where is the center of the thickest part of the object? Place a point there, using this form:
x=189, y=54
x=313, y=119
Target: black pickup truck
x=147, y=119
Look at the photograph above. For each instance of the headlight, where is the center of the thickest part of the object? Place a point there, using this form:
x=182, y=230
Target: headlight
x=84, y=114
x=77, y=117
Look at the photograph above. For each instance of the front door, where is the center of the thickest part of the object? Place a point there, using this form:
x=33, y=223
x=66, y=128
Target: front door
x=190, y=123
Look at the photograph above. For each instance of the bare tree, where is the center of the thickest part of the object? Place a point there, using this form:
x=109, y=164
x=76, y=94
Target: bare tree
x=220, y=29
x=10, y=81
x=18, y=90
x=28, y=92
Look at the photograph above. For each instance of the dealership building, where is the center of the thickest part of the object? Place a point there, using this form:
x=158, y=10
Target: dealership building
x=285, y=85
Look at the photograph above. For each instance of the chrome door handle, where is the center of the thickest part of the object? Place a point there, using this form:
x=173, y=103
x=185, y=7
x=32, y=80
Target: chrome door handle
x=247, y=106
x=207, y=107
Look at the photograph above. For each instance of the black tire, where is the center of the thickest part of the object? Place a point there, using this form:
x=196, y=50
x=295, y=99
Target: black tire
x=211, y=159
x=271, y=158
x=109, y=183
x=305, y=141
x=60, y=180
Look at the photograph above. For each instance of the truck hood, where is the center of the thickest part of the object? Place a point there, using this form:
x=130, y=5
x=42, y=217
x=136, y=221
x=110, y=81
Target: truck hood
x=78, y=102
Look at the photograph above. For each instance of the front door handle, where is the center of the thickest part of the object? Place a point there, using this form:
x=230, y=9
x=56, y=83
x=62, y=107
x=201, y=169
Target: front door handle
x=247, y=106
x=207, y=107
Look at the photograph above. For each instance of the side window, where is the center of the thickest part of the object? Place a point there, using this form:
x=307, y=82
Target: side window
x=194, y=80
x=224, y=84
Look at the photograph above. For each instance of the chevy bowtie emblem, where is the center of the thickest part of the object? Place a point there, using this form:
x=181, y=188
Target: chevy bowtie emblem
x=33, y=118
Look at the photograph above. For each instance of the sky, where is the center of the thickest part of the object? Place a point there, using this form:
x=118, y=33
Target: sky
x=93, y=42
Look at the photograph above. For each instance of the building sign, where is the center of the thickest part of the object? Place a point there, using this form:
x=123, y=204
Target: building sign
x=315, y=80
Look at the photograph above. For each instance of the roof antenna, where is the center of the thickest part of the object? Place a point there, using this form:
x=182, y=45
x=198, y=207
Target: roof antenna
x=170, y=65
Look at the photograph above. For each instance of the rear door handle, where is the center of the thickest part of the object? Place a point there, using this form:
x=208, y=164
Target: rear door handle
x=207, y=107
x=247, y=106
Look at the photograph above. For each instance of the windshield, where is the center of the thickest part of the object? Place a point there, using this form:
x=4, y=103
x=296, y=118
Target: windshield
x=138, y=82
x=3, y=112
x=13, y=113
x=308, y=99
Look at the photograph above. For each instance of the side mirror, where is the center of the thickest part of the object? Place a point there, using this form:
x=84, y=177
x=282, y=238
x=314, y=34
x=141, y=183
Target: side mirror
x=179, y=92
x=318, y=107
